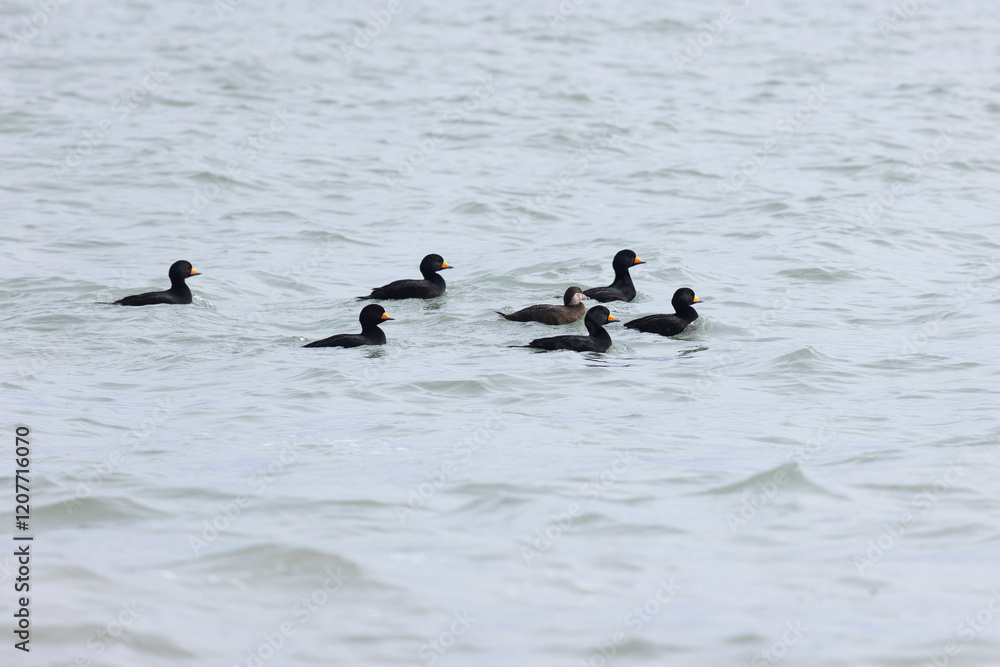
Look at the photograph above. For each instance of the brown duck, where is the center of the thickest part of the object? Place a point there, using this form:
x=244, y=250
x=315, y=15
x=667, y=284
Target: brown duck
x=571, y=311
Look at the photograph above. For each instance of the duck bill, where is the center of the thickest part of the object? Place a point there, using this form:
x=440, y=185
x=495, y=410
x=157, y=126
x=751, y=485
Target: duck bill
x=445, y=265
x=194, y=273
x=385, y=317
x=638, y=261
x=612, y=318
x=697, y=300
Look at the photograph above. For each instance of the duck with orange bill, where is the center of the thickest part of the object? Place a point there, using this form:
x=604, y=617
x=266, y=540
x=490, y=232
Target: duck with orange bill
x=597, y=340
x=371, y=316
x=673, y=323
x=430, y=287
x=622, y=289
x=179, y=292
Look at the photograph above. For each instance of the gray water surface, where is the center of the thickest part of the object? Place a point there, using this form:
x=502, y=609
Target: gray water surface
x=807, y=476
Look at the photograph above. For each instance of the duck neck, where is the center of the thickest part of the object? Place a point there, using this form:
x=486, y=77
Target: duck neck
x=623, y=279
x=179, y=287
x=432, y=276
x=687, y=313
x=602, y=337
x=597, y=331
x=372, y=332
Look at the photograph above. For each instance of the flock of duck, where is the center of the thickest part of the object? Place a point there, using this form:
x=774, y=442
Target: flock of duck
x=432, y=285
